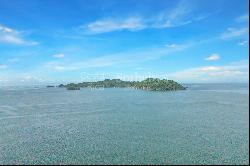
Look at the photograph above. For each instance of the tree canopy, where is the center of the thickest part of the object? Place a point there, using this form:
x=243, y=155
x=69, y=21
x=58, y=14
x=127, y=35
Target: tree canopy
x=152, y=84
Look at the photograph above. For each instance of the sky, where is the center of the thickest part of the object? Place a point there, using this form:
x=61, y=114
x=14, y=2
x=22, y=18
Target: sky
x=62, y=41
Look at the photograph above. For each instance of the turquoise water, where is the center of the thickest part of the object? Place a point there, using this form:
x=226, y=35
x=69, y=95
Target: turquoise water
x=207, y=124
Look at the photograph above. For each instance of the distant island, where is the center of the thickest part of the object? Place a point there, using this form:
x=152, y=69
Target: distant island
x=150, y=84
x=50, y=86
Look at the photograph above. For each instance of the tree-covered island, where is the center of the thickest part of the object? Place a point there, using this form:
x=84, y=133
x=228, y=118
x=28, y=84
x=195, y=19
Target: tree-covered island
x=151, y=84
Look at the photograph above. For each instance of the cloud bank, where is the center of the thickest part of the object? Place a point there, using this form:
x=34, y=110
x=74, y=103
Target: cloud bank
x=11, y=36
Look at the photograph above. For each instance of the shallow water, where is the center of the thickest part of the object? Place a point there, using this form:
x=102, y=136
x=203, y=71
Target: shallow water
x=206, y=124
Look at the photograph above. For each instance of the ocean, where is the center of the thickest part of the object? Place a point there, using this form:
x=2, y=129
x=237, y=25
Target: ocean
x=206, y=124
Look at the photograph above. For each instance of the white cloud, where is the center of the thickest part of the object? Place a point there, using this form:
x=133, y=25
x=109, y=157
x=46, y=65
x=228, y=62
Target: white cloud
x=242, y=43
x=243, y=18
x=11, y=78
x=57, y=67
x=6, y=29
x=111, y=24
x=171, y=45
x=178, y=16
x=11, y=36
x=28, y=77
x=59, y=56
x=232, y=72
x=210, y=68
x=181, y=15
x=213, y=57
x=128, y=57
x=3, y=66
x=234, y=33
x=11, y=39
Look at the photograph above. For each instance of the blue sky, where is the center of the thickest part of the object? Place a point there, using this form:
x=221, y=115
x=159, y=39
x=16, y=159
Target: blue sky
x=63, y=41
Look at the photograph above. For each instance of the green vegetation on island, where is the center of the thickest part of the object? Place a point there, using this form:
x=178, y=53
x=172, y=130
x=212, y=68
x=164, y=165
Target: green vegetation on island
x=73, y=88
x=151, y=84
x=155, y=84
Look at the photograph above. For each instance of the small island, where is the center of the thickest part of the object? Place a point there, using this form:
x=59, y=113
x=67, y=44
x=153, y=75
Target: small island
x=150, y=84
x=50, y=86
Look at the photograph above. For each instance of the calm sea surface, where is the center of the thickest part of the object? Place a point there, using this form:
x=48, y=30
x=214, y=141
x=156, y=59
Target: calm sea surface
x=206, y=124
